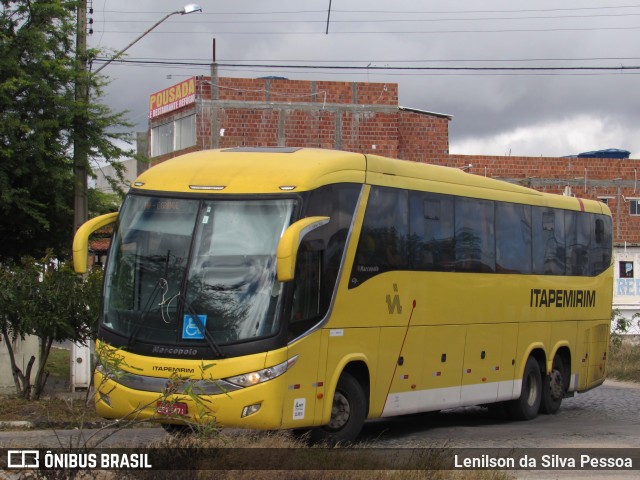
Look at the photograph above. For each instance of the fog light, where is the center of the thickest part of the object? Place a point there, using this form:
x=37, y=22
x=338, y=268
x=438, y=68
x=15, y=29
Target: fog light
x=105, y=398
x=250, y=410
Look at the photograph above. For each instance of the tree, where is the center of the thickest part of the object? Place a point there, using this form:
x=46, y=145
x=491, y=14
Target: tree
x=49, y=300
x=102, y=202
x=38, y=74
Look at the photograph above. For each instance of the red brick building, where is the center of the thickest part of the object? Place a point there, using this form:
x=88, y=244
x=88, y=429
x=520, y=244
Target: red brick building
x=273, y=112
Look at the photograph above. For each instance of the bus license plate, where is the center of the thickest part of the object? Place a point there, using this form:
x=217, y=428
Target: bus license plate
x=167, y=408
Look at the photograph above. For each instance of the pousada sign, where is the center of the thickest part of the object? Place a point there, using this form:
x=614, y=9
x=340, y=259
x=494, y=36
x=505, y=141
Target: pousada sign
x=172, y=98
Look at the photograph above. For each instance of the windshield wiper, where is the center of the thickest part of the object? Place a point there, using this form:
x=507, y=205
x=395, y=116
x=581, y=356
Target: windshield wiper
x=159, y=286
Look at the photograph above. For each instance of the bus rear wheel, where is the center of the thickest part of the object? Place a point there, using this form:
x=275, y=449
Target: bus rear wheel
x=348, y=412
x=527, y=406
x=554, y=387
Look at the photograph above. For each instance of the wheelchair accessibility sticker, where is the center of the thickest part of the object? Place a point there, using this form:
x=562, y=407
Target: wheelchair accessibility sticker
x=193, y=329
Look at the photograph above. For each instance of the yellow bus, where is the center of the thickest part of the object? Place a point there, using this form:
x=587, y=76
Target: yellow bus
x=295, y=288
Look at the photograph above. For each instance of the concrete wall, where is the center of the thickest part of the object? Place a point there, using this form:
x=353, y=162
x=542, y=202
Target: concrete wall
x=23, y=350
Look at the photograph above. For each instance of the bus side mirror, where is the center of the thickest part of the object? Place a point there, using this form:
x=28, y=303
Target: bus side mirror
x=289, y=244
x=81, y=239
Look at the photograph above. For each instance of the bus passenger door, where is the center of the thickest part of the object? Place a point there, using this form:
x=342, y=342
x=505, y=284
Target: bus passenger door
x=303, y=385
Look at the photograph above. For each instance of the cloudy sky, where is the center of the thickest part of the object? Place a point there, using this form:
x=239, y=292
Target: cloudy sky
x=519, y=77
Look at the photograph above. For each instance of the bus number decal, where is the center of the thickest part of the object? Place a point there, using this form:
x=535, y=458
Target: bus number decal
x=394, y=304
x=298, y=408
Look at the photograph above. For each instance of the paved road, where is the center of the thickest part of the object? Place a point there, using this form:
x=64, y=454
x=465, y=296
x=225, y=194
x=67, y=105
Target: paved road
x=606, y=417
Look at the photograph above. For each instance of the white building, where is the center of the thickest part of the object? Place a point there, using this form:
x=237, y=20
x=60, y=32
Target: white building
x=626, y=284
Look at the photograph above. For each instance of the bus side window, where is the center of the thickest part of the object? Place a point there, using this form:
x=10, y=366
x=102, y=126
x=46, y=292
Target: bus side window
x=548, y=241
x=475, y=236
x=600, y=251
x=513, y=238
x=384, y=238
x=431, y=244
x=578, y=233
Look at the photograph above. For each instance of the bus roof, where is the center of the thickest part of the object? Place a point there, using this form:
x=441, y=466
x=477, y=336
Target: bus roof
x=259, y=170
x=254, y=170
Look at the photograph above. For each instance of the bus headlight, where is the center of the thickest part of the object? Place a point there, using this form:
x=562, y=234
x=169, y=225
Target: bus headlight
x=264, y=375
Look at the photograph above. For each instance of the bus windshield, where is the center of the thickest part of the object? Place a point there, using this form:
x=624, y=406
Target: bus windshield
x=180, y=269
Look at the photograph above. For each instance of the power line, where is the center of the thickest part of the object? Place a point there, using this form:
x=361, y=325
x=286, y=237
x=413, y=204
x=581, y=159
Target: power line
x=387, y=12
x=378, y=68
x=387, y=32
x=398, y=20
x=424, y=60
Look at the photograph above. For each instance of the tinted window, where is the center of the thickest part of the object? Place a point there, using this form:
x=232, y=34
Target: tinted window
x=431, y=232
x=475, y=237
x=578, y=240
x=320, y=254
x=513, y=238
x=447, y=233
x=383, y=243
x=548, y=241
x=601, y=241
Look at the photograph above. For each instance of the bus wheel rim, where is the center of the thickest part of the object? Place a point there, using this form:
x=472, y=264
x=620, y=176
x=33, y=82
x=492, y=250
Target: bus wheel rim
x=340, y=411
x=532, y=390
x=555, y=384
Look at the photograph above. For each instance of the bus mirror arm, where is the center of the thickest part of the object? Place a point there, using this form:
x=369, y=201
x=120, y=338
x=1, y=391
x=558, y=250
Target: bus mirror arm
x=290, y=243
x=81, y=239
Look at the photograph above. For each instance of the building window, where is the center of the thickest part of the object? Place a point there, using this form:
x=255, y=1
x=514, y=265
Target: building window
x=185, y=132
x=634, y=206
x=173, y=136
x=626, y=269
x=162, y=139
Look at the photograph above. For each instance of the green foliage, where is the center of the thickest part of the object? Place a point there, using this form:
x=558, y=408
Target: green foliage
x=101, y=202
x=46, y=299
x=40, y=114
x=620, y=326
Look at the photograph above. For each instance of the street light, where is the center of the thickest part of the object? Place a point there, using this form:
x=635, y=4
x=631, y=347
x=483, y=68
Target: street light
x=189, y=8
x=80, y=142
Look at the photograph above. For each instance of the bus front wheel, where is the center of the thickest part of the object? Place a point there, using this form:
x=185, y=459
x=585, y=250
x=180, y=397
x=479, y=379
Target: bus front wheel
x=348, y=412
x=527, y=406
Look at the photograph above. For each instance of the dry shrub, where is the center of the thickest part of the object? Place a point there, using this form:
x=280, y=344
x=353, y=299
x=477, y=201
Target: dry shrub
x=624, y=359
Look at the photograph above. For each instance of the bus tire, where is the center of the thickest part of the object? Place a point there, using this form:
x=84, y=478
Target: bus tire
x=348, y=412
x=527, y=406
x=554, y=386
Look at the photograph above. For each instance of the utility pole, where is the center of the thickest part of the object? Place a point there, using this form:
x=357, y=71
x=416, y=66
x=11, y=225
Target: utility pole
x=81, y=120
x=80, y=143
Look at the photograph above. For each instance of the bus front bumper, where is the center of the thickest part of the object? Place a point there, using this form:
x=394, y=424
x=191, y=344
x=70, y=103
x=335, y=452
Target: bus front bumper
x=255, y=407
